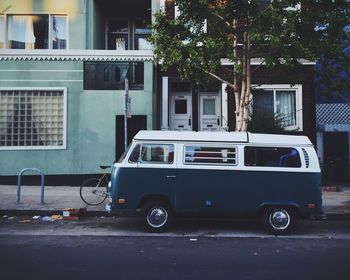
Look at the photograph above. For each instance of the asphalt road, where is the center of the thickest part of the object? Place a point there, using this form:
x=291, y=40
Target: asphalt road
x=107, y=248
x=96, y=257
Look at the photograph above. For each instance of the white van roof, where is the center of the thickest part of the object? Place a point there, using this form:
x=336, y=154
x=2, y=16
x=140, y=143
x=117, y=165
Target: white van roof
x=239, y=137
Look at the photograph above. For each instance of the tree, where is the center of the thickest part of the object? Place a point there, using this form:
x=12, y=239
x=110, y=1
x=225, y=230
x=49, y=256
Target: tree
x=279, y=33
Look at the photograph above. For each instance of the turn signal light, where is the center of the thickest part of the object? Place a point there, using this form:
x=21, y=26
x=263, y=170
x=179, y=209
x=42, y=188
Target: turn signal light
x=121, y=201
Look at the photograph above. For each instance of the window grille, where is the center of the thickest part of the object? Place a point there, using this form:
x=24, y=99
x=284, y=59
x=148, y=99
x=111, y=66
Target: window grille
x=307, y=158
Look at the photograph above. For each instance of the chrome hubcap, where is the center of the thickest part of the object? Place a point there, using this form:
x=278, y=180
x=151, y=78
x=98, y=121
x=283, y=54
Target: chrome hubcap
x=157, y=217
x=279, y=219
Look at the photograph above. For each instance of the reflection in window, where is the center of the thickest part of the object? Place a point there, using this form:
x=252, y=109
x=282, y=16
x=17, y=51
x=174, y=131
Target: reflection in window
x=135, y=154
x=210, y=155
x=59, y=32
x=157, y=153
x=271, y=156
x=275, y=103
x=111, y=75
x=32, y=32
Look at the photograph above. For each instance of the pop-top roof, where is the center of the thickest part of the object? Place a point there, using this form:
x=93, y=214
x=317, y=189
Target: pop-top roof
x=237, y=137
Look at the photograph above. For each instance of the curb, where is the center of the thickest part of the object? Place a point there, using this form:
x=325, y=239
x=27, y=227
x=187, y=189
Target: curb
x=30, y=212
x=95, y=213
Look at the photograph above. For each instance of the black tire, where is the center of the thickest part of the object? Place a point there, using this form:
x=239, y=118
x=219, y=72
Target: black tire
x=278, y=220
x=157, y=216
x=92, y=195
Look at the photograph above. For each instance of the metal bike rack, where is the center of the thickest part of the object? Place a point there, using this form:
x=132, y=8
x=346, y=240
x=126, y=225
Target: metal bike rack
x=19, y=184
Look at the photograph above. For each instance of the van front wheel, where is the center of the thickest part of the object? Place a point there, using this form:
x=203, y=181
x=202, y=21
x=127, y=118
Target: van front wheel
x=156, y=215
x=278, y=220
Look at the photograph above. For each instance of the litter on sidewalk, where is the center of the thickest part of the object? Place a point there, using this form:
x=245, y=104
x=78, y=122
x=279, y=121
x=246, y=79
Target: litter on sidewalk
x=73, y=214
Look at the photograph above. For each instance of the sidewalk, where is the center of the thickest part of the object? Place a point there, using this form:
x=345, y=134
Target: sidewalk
x=336, y=204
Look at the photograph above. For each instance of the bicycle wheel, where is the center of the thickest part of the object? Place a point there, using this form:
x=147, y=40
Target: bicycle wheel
x=93, y=192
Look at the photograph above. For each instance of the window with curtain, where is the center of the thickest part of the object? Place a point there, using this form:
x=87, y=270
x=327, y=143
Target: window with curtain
x=32, y=118
x=37, y=31
x=275, y=103
x=209, y=107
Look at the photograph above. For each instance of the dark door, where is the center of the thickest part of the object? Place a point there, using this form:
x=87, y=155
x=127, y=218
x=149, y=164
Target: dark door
x=135, y=124
x=336, y=156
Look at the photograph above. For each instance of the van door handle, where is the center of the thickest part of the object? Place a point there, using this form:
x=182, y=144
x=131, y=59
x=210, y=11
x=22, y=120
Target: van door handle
x=171, y=176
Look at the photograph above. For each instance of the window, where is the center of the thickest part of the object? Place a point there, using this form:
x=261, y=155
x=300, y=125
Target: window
x=111, y=75
x=135, y=154
x=281, y=103
x=32, y=118
x=59, y=32
x=35, y=31
x=271, y=156
x=128, y=34
x=153, y=153
x=210, y=155
x=181, y=106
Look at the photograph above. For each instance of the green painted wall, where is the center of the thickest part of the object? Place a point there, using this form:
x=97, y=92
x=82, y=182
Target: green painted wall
x=91, y=115
x=91, y=134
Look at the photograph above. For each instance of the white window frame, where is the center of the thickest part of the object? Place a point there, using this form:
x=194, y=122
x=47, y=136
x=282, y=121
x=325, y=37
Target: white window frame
x=64, y=146
x=50, y=15
x=298, y=101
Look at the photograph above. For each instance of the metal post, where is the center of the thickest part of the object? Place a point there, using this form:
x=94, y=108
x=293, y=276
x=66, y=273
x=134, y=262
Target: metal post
x=19, y=184
x=126, y=95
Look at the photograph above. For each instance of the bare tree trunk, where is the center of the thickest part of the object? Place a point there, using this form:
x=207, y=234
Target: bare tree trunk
x=235, y=79
x=247, y=93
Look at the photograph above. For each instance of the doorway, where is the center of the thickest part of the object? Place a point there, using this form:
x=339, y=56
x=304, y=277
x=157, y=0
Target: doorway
x=336, y=156
x=135, y=124
x=181, y=106
x=209, y=113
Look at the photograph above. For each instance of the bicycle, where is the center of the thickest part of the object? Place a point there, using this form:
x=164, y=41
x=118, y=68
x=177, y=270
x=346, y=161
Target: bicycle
x=94, y=191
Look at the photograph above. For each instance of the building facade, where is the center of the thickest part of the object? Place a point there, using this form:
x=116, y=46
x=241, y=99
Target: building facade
x=62, y=83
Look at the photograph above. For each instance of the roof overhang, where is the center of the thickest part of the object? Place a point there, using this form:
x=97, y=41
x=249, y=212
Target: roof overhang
x=76, y=55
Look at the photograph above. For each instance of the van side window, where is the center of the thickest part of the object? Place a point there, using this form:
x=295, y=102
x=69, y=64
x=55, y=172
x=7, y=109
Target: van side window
x=271, y=156
x=135, y=154
x=210, y=155
x=157, y=153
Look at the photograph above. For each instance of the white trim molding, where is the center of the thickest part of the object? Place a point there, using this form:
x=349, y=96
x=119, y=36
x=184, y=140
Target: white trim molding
x=76, y=55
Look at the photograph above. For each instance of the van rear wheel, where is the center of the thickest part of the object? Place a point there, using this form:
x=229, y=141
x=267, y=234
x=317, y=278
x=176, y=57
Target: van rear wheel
x=278, y=220
x=156, y=215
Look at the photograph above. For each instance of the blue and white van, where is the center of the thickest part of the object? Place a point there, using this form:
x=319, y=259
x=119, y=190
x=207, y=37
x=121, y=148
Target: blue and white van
x=167, y=173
